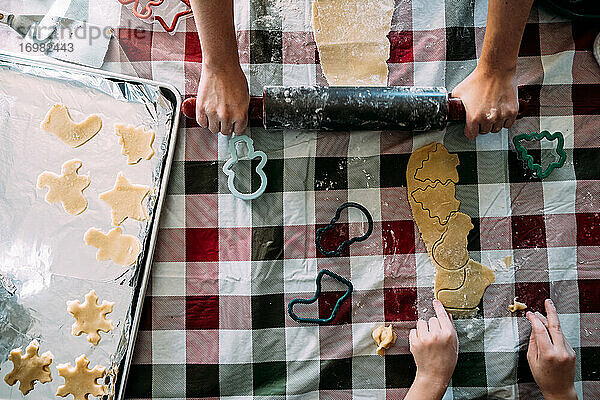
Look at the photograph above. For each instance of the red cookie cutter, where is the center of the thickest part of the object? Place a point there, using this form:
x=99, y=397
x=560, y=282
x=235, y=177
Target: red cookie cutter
x=146, y=12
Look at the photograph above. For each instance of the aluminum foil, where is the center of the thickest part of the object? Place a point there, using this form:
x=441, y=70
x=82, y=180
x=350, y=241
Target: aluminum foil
x=44, y=261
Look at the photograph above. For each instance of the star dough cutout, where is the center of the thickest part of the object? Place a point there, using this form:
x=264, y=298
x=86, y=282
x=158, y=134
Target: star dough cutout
x=29, y=368
x=126, y=200
x=90, y=317
x=80, y=381
x=122, y=249
x=136, y=142
x=67, y=188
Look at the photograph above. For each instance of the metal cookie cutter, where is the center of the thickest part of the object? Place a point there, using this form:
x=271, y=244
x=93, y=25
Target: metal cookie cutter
x=338, y=251
x=316, y=296
x=528, y=159
x=234, y=159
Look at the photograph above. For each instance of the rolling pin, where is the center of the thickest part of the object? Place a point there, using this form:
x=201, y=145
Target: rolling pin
x=403, y=108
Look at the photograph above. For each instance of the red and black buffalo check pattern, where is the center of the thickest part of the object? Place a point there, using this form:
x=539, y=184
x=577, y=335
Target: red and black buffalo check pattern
x=215, y=322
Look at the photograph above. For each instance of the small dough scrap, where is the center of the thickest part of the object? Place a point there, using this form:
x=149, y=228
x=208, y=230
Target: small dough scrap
x=59, y=122
x=122, y=249
x=508, y=261
x=90, y=317
x=441, y=210
x=136, y=142
x=81, y=381
x=516, y=306
x=351, y=36
x=29, y=368
x=126, y=200
x=384, y=337
x=67, y=188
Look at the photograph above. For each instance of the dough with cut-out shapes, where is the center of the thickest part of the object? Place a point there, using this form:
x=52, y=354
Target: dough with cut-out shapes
x=80, y=380
x=477, y=278
x=136, y=142
x=450, y=251
x=29, y=367
x=384, y=337
x=67, y=188
x=59, y=122
x=126, y=199
x=441, y=210
x=90, y=317
x=431, y=177
x=120, y=248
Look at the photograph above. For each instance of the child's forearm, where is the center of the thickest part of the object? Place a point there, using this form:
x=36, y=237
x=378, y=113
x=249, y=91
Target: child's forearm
x=505, y=25
x=214, y=21
x=425, y=389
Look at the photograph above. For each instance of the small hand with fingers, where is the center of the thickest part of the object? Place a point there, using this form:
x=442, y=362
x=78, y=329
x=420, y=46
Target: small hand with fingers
x=434, y=346
x=551, y=358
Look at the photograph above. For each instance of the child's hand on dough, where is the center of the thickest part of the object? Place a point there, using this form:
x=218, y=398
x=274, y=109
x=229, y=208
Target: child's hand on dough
x=434, y=346
x=551, y=358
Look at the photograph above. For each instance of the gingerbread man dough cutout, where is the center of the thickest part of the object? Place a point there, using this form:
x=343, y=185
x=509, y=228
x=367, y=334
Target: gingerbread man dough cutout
x=29, y=368
x=431, y=177
x=90, y=317
x=59, y=122
x=126, y=200
x=67, y=188
x=81, y=381
x=122, y=249
x=136, y=142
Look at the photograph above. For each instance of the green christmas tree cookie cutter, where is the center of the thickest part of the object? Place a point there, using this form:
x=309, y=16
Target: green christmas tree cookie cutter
x=527, y=159
x=227, y=167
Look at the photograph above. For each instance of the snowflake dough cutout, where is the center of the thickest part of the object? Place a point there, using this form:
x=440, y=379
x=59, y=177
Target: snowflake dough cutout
x=67, y=188
x=136, y=142
x=80, y=381
x=121, y=249
x=29, y=368
x=126, y=200
x=59, y=122
x=90, y=317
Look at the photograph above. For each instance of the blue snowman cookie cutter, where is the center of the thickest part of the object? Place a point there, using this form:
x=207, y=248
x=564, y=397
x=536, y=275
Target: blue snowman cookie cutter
x=316, y=296
x=227, y=167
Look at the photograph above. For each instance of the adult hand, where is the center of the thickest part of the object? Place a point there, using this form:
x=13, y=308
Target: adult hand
x=434, y=346
x=551, y=358
x=223, y=99
x=490, y=100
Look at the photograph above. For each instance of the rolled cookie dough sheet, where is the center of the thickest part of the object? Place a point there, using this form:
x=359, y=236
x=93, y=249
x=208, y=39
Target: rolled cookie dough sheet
x=459, y=281
x=352, y=40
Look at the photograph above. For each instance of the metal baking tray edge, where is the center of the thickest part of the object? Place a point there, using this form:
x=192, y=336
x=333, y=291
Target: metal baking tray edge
x=140, y=288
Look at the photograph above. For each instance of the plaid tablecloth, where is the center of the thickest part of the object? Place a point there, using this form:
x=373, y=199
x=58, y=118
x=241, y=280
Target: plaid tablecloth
x=215, y=321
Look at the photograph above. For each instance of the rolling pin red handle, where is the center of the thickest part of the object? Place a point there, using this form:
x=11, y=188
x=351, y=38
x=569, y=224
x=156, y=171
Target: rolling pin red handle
x=255, y=110
x=457, y=113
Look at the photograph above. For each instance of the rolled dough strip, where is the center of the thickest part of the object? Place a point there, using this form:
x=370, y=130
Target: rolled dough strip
x=459, y=283
x=352, y=40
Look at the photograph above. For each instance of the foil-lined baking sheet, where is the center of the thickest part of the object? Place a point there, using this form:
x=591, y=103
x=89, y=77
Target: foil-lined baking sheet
x=44, y=261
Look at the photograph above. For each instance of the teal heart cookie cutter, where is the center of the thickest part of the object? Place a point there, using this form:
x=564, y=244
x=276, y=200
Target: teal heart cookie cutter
x=316, y=296
x=527, y=159
x=234, y=159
